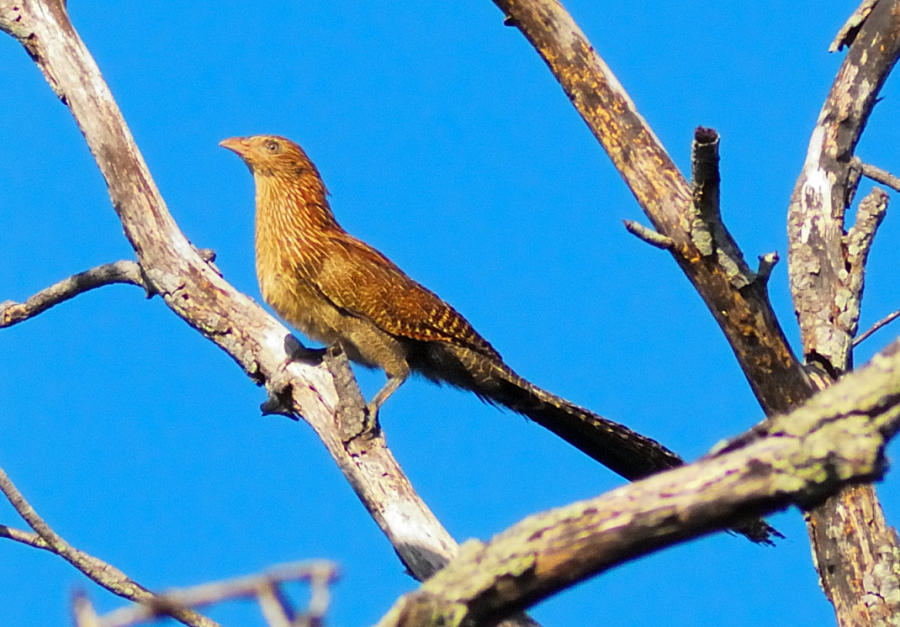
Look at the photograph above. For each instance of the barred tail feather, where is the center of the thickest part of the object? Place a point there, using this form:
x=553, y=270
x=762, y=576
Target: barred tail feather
x=617, y=447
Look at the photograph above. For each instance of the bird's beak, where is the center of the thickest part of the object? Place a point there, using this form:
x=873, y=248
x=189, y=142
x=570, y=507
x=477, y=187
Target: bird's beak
x=238, y=145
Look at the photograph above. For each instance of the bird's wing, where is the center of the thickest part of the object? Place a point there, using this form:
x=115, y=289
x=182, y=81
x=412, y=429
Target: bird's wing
x=360, y=280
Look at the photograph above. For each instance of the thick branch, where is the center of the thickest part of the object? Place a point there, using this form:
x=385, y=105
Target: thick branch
x=835, y=439
x=827, y=311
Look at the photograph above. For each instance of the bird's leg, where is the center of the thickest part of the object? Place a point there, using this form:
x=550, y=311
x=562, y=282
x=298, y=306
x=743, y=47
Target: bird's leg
x=395, y=380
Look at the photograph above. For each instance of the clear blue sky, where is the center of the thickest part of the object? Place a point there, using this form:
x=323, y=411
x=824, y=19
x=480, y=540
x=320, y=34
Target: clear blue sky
x=446, y=143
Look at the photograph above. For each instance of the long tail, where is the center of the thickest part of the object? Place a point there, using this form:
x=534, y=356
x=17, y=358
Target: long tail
x=617, y=447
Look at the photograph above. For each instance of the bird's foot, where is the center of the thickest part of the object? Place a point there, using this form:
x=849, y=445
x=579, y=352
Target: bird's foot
x=296, y=351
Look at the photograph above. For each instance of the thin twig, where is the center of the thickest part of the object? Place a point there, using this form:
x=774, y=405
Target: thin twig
x=317, y=572
x=648, y=235
x=881, y=176
x=24, y=537
x=119, y=272
x=883, y=322
x=100, y=572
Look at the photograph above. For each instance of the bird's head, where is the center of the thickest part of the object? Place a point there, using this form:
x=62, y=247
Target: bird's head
x=287, y=182
x=271, y=155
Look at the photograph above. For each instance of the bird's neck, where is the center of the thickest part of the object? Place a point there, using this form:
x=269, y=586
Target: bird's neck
x=293, y=207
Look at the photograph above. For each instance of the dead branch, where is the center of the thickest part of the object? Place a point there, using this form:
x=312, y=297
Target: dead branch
x=851, y=28
x=883, y=322
x=264, y=587
x=880, y=176
x=648, y=235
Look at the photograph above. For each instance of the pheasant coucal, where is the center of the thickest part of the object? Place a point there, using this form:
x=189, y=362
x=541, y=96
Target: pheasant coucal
x=336, y=288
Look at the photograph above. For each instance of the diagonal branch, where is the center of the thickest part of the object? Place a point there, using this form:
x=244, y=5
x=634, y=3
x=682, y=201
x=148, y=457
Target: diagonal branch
x=97, y=570
x=875, y=327
x=879, y=175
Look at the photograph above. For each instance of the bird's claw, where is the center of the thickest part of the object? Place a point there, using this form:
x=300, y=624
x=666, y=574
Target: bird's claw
x=281, y=392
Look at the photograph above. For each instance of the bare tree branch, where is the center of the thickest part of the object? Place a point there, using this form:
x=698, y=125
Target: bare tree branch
x=884, y=321
x=119, y=272
x=24, y=537
x=100, y=572
x=263, y=587
x=821, y=195
x=648, y=235
x=837, y=438
x=880, y=176
x=850, y=29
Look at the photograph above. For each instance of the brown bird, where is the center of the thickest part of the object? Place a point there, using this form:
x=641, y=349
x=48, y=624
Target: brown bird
x=336, y=288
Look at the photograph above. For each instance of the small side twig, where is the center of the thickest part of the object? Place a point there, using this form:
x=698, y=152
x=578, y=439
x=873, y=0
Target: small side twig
x=650, y=236
x=97, y=570
x=857, y=244
x=766, y=263
x=883, y=322
x=881, y=176
x=119, y=272
x=24, y=537
x=705, y=187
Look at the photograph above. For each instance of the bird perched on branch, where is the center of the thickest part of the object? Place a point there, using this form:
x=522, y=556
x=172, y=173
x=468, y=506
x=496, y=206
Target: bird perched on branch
x=336, y=288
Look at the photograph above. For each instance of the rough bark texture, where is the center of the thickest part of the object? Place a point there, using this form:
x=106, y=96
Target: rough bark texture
x=836, y=438
x=853, y=547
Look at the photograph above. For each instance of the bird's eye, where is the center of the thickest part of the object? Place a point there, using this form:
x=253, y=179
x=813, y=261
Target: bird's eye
x=272, y=147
